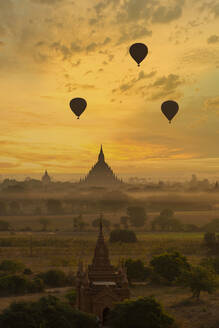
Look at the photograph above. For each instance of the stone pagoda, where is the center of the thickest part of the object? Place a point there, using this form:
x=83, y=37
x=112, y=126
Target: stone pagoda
x=101, y=174
x=99, y=285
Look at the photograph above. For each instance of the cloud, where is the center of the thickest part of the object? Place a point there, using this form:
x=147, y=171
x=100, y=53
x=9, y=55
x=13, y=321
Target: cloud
x=213, y=39
x=73, y=86
x=212, y=104
x=164, y=14
x=133, y=32
x=2, y=44
x=2, y=31
x=47, y=2
x=165, y=86
x=128, y=85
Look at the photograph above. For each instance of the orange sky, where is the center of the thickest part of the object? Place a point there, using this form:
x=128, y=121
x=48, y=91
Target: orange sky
x=54, y=50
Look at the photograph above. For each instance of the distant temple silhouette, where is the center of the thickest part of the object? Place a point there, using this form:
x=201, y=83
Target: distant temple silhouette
x=101, y=174
x=46, y=179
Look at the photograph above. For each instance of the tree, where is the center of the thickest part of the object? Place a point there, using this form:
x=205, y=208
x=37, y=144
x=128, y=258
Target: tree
x=124, y=236
x=78, y=223
x=4, y=225
x=3, y=208
x=9, y=266
x=170, y=266
x=136, y=271
x=199, y=279
x=48, y=312
x=44, y=222
x=211, y=242
x=15, y=208
x=141, y=313
x=54, y=206
x=124, y=221
x=212, y=226
x=53, y=278
x=137, y=216
x=166, y=221
x=71, y=296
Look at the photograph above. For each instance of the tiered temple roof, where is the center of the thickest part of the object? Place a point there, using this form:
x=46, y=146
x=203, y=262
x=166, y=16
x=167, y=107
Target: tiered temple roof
x=101, y=174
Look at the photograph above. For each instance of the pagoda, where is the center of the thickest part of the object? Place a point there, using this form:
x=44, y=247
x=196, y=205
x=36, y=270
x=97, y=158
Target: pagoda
x=101, y=174
x=100, y=286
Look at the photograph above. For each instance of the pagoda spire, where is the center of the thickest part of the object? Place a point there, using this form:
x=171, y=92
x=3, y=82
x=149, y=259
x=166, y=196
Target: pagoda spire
x=101, y=155
x=101, y=254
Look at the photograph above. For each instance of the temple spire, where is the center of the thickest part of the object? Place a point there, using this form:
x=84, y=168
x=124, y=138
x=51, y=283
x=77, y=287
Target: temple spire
x=101, y=155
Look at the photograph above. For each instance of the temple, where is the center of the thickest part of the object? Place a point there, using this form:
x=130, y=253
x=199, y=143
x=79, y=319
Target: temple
x=46, y=179
x=99, y=286
x=101, y=174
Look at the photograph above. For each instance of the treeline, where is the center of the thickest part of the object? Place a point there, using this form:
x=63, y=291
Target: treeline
x=16, y=279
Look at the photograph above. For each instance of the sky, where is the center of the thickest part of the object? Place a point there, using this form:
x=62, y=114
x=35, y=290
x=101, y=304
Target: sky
x=54, y=50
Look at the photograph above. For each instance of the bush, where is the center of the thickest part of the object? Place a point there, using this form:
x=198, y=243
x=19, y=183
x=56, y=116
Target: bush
x=54, y=278
x=141, y=313
x=11, y=266
x=170, y=266
x=16, y=284
x=200, y=279
x=211, y=263
x=71, y=296
x=48, y=312
x=124, y=236
x=136, y=270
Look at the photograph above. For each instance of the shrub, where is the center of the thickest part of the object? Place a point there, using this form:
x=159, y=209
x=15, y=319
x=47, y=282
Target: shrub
x=71, y=296
x=141, y=313
x=170, y=266
x=48, y=312
x=11, y=266
x=200, y=279
x=124, y=236
x=54, y=278
x=17, y=284
x=136, y=270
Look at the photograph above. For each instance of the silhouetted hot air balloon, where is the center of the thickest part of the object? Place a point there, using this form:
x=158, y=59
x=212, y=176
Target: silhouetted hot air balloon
x=169, y=109
x=138, y=51
x=78, y=105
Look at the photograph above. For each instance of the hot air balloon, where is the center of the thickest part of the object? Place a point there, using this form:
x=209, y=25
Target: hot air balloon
x=138, y=51
x=169, y=109
x=78, y=105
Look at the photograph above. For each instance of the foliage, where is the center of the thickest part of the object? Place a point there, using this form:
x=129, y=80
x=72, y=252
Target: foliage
x=141, y=313
x=48, y=312
x=170, y=266
x=136, y=270
x=54, y=278
x=4, y=225
x=18, y=284
x=10, y=266
x=71, y=296
x=166, y=221
x=124, y=236
x=211, y=242
x=44, y=222
x=54, y=206
x=200, y=279
x=137, y=216
x=124, y=221
x=78, y=223
x=212, y=263
x=212, y=226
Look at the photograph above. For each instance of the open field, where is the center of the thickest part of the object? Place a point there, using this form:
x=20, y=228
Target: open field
x=41, y=251
x=65, y=222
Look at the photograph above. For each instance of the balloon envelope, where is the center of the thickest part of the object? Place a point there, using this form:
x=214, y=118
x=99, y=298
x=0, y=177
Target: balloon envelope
x=78, y=105
x=138, y=51
x=169, y=109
